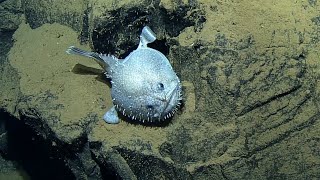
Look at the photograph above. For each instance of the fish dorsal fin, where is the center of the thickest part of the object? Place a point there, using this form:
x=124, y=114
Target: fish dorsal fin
x=147, y=36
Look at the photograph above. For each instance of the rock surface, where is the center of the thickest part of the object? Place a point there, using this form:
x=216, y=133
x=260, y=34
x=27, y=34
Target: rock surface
x=250, y=72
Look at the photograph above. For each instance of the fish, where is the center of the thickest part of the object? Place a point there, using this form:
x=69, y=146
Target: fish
x=144, y=86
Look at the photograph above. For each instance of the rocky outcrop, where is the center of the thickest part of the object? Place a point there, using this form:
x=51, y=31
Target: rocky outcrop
x=11, y=15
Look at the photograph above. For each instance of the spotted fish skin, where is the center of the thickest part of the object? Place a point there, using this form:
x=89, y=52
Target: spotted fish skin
x=144, y=86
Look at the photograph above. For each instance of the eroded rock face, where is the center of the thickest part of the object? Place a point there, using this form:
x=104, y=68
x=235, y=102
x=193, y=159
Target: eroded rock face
x=251, y=87
x=11, y=15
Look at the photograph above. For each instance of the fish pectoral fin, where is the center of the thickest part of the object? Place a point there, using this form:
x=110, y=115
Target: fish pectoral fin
x=111, y=116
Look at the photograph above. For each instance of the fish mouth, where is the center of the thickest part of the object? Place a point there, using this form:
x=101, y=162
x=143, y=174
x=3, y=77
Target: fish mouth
x=172, y=100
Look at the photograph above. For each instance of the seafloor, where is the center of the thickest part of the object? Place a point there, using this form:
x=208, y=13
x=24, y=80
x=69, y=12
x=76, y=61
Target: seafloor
x=250, y=72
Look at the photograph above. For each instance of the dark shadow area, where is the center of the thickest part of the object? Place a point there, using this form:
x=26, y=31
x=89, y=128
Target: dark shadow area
x=119, y=34
x=107, y=170
x=6, y=43
x=30, y=151
x=99, y=73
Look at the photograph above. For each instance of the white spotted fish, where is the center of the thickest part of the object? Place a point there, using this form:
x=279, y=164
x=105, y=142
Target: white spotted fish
x=144, y=85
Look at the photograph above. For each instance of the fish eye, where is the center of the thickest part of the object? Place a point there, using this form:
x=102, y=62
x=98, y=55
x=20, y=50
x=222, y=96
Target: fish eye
x=150, y=107
x=160, y=86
